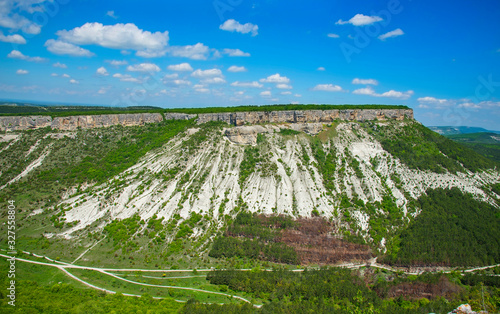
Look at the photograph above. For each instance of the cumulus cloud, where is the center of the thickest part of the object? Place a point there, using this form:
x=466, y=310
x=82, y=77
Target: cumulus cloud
x=429, y=99
x=213, y=80
x=59, y=65
x=22, y=72
x=286, y=93
x=195, y=52
x=283, y=86
x=118, y=36
x=143, y=67
x=235, y=68
x=276, y=78
x=265, y=93
x=126, y=78
x=181, y=82
x=394, y=33
x=65, y=75
x=63, y=48
x=12, y=15
x=117, y=63
x=73, y=81
x=321, y=69
x=206, y=73
x=16, y=54
x=180, y=67
x=327, y=88
x=14, y=39
x=332, y=35
x=235, y=53
x=360, y=20
x=253, y=84
x=102, y=71
x=390, y=94
x=365, y=81
x=235, y=26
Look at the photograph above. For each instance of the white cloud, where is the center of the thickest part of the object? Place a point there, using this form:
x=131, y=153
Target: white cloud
x=201, y=88
x=181, y=82
x=171, y=76
x=73, y=81
x=104, y=90
x=286, y=93
x=327, y=88
x=214, y=80
x=180, y=67
x=276, y=78
x=360, y=20
x=22, y=72
x=65, y=75
x=126, y=78
x=16, y=54
x=332, y=35
x=283, y=86
x=14, y=39
x=118, y=36
x=195, y=52
x=432, y=100
x=143, y=67
x=265, y=93
x=390, y=94
x=206, y=73
x=60, y=65
x=394, y=33
x=365, y=81
x=254, y=84
x=63, y=48
x=235, y=53
x=112, y=14
x=235, y=26
x=117, y=63
x=54, y=74
x=148, y=53
x=12, y=15
x=235, y=68
x=102, y=71
x=321, y=69
x=297, y=95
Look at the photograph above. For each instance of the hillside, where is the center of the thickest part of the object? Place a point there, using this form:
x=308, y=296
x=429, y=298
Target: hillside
x=484, y=143
x=180, y=194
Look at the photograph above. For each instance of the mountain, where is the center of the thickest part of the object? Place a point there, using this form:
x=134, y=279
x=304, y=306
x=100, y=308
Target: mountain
x=486, y=144
x=452, y=130
x=259, y=190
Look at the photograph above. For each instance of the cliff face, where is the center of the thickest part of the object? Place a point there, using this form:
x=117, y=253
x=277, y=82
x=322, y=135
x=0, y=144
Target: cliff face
x=73, y=122
x=295, y=116
x=234, y=118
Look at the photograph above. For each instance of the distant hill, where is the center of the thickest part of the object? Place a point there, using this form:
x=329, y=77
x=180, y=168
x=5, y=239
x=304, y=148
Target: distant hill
x=450, y=130
x=484, y=143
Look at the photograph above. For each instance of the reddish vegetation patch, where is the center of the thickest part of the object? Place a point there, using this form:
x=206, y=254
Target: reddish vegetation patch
x=313, y=241
x=418, y=290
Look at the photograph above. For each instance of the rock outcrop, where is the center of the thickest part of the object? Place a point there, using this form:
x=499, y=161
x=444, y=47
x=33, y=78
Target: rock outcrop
x=74, y=122
x=303, y=116
x=234, y=118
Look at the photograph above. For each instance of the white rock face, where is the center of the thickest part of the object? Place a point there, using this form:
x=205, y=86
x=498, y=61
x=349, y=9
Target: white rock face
x=208, y=181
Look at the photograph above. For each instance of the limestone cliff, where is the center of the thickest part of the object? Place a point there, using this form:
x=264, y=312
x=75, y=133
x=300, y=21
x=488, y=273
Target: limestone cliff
x=234, y=118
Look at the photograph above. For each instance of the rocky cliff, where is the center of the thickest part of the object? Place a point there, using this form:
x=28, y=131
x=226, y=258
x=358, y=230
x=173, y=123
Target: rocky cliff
x=234, y=118
x=74, y=122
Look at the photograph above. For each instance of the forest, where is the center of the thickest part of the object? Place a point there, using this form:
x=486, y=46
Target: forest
x=453, y=229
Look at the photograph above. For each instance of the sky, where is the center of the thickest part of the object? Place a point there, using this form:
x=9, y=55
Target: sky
x=441, y=58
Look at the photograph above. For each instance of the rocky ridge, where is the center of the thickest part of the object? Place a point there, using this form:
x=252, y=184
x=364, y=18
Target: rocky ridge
x=71, y=123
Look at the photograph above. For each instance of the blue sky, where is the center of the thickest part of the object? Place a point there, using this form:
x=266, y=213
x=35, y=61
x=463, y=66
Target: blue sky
x=440, y=58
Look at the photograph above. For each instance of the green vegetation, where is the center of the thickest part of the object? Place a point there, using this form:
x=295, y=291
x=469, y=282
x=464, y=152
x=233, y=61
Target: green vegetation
x=288, y=132
x=256, y=237
x=121, y=231
x=486, y=144
x=257, y=159
x=420, y=148
x=453, y=229
x=330, y=290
